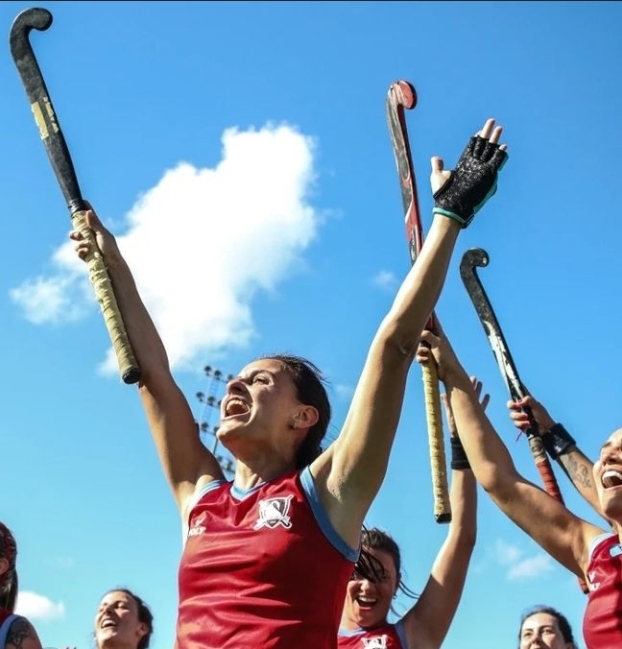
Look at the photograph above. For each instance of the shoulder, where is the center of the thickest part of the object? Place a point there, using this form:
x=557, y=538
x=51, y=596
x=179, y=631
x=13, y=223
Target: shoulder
x=22, y=635
x=600, y=543
x=205, y=491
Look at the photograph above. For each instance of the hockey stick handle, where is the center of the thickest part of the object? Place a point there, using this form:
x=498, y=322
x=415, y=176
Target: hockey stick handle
x=536, y=446
x=62, y=164
x=438, y=463
x=544, y=467
x=402, y=96
x=518, y=392
x=436, y=437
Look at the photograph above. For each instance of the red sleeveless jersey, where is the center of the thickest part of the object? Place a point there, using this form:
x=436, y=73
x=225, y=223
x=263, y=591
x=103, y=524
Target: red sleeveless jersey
x=384, y=636
x=602, y=622
x=262, y=569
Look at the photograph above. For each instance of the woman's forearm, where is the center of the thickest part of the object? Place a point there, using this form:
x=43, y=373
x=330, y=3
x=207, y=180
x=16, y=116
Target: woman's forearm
x=144, y=337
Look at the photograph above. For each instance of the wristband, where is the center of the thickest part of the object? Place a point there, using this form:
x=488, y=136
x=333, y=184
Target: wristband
x=459, y=459
x=557, y=441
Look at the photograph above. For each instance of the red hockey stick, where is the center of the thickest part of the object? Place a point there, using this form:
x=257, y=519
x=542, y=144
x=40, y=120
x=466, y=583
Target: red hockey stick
x=402, y=96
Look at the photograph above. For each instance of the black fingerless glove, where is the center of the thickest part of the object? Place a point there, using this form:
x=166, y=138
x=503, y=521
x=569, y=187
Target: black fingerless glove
x=472, y=182
x=557, y=441
x=459, y=459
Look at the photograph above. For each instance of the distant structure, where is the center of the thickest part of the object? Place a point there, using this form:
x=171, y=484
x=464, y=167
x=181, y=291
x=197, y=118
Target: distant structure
x=210, y=411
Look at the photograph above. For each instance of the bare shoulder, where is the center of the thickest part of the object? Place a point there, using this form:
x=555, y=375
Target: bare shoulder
x=22, y=635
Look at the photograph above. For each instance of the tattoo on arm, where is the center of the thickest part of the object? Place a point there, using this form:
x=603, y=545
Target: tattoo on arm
x=20, y=632
x=578, y=469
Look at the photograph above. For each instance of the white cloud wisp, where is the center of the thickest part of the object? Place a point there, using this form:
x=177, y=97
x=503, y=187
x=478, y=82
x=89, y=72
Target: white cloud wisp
x=38, y=607
x=201, y=244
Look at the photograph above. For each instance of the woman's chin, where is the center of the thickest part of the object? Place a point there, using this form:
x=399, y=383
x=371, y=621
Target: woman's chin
x=368, y=618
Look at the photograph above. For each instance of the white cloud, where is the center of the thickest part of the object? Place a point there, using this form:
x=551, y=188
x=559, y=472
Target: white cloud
x=48, y=299
x=517, y=565
x=38, y=607
x=530, y=567
x=344, y=391
x=385, y=280
x=201, y=244
x=506, y=553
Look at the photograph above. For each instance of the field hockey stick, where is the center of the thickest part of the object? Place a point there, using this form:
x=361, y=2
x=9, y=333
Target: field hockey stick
x=478, y=258
x=62, y=164
x=402, y=96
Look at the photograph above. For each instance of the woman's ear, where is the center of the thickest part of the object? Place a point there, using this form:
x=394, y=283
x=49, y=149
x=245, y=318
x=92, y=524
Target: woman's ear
x=142, y=630
x=306, y=417
x=4, y=566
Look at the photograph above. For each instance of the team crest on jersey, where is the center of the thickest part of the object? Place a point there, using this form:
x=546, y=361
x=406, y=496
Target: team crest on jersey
x=274, y=512
x=377, y=642
x=197, y=527
x=593, y=585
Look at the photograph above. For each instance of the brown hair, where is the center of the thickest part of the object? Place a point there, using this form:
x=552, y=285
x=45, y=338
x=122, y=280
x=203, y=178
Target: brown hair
x=377, y=539
x=311, y=391
x=562, y=622
x=8, y=580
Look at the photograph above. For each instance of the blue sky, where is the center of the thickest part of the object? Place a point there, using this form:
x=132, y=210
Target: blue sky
x=239, y=151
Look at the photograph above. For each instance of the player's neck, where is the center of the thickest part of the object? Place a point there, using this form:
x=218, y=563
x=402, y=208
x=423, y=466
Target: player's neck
x=251, y=473
x=349, y=623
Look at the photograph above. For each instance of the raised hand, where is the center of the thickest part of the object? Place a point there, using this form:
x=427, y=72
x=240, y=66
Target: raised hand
x=435, y=348
x=451, y=422
x=106, y=241
x=540, y=414
x=461, y=193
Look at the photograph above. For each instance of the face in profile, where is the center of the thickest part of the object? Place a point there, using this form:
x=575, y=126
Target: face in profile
x=607, y=474
x=259, y=405
x=117, y=623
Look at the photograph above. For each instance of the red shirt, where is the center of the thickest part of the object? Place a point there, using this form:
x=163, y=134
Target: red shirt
x=262, y=569
x=384, y=636
x=602, y=622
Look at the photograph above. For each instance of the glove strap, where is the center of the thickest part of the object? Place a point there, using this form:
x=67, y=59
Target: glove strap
x=452, y=215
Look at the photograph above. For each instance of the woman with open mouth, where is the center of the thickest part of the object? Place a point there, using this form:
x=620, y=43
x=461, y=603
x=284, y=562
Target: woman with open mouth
x=368, y=602
x=123, y=621
x=592, y=553
x=268, y=556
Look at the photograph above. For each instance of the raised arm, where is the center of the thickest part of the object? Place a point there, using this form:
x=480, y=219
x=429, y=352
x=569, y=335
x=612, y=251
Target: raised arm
x=426, y=624
x=350, y=473
x=184, y=458
x=560, y=447
x=562, y=534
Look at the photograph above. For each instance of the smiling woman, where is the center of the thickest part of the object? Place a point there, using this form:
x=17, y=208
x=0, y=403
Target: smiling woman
x=123, y=621
x=589, y=551
x=368, y=602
